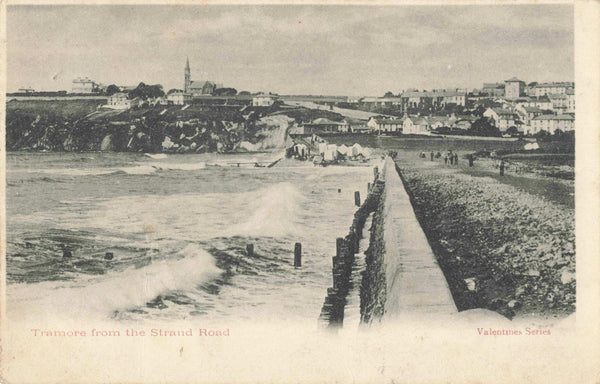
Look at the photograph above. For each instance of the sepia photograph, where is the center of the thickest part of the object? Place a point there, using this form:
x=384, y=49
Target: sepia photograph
x=238, y=192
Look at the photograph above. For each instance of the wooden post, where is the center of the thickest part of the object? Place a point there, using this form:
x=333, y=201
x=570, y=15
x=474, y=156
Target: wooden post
x=298, y=255
x=368, y=187
x=339, y=243
x=66, y=251
x=357, y=198
x=250, y=250
x=375, y=172
x=339, y=190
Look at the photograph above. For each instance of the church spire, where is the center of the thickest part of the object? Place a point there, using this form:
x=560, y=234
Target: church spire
x=188, y=76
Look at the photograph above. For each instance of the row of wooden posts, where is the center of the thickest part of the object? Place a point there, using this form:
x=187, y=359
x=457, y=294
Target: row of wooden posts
x=297, y=253
x=332, y=312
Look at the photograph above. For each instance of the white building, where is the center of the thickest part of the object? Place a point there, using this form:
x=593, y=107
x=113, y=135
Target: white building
x=571, y=100
x=458, y=97
x=118, y=100
x=381, y=124
x=415, y=125
x=503, y=118
x=84, y=85
x=178, y=98
x=528, y=113
x=513, y=88
x=541, y=102
x=263, y=100
x=550, y=123
x=560, y=88
x=559, y=102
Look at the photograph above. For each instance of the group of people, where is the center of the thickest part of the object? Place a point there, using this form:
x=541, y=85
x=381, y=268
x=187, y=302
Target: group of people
x=449, y=157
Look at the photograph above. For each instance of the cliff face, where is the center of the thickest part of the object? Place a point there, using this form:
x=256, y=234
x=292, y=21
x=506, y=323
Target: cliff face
x=83, y=126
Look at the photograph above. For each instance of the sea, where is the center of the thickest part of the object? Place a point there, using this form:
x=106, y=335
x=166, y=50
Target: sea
x=178, y=227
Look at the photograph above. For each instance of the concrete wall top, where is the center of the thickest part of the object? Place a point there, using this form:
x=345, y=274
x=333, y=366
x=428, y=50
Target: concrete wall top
x=416, y=286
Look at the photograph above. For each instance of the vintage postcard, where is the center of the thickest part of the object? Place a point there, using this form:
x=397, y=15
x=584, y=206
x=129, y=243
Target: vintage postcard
x=209, y=192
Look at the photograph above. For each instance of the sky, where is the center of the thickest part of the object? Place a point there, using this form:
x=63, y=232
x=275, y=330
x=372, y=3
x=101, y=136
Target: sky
x=290, y=49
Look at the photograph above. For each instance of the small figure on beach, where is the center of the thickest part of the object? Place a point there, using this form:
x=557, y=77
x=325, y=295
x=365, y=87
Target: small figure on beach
x=432, y=155
x=438, y=155
x=470, y=159
x=502, y=167
x=446, y=160
x=456, y=159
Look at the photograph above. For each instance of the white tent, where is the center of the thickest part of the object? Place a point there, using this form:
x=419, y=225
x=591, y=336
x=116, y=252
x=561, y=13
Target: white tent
x=322, y=148
x=343, y=149
x=356, y=149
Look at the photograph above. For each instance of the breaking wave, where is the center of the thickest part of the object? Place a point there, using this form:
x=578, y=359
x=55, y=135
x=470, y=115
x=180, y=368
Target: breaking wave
x=274, y=211
x=123, y=290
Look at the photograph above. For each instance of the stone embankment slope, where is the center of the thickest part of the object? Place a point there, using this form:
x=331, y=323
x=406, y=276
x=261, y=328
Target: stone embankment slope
x=500, y=248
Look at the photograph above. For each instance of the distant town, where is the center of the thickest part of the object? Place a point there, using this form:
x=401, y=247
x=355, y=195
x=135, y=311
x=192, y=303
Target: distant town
x=512, y=107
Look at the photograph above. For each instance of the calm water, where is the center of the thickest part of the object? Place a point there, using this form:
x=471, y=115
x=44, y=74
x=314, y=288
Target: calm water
x=178, y=227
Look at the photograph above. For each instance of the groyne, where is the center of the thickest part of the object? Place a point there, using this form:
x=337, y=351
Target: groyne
x=332, y=312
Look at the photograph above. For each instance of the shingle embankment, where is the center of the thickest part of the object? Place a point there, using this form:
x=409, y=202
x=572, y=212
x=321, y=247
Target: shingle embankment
x=500, y=248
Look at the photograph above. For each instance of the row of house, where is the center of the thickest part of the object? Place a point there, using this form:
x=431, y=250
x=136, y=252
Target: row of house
x=529, y=120
x=514, y=88
x=416, y=99
x=419, y=125
x=120, y=100
x=559, y=96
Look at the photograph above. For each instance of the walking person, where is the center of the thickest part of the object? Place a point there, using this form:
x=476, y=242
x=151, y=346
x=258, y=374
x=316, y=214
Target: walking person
x=431, y=155
x=502, y=168
x=445, y=159
x=456, y=159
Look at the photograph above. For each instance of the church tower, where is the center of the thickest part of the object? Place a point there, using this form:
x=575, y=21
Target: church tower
x=188, y=76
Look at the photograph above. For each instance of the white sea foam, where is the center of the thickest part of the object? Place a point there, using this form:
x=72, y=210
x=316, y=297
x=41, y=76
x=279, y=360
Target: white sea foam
x=115, y=291
x=181, y=166
x=139, y=169
x=156, y=156
x=274, y=211
x=66, y=171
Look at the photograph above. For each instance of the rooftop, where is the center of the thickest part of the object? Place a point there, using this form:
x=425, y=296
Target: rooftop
x=554, y=117
x=513, y=80
x=556, y=84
